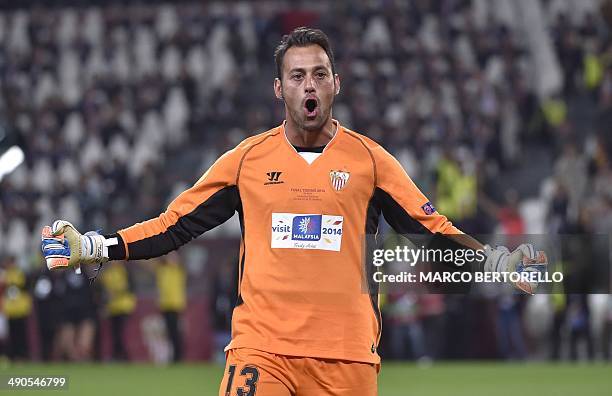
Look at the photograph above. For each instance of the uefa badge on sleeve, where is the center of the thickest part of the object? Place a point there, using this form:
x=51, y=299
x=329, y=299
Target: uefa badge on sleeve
x=428, y=208
x=339, y=179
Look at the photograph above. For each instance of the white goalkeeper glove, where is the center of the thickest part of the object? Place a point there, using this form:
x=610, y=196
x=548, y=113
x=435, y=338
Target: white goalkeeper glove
x=63, y=246
x=523, y=259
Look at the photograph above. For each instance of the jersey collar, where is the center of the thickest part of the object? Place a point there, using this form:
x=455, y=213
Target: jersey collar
x=339, y=130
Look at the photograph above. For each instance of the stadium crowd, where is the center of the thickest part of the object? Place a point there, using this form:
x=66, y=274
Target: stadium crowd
x=119, y=108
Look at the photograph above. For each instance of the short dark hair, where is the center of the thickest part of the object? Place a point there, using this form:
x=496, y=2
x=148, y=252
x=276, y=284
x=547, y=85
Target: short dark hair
x=301, y=37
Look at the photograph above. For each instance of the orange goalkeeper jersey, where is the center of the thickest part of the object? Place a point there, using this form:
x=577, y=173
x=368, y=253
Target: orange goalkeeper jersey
x=302, y=270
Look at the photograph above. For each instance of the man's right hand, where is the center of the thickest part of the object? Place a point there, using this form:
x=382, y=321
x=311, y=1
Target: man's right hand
x=64, y=246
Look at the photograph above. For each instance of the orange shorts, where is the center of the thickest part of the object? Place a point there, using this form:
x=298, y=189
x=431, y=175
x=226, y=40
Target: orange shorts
x=249, y=372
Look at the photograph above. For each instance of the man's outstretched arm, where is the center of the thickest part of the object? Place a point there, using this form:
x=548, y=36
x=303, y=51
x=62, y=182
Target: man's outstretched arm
x=408, y=211
x=209, y=203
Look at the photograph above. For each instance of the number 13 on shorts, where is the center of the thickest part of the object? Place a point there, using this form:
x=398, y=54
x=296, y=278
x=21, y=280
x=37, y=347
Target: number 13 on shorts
x=251, y=376
x=250, y=372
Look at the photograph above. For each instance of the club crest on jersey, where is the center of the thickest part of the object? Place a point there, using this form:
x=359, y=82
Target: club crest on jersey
x=339, y=179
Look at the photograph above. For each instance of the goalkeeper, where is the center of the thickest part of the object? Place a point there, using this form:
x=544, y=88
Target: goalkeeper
x=305, y=192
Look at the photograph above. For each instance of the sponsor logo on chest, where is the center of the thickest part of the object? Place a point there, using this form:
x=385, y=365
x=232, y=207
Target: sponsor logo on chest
x=306, y=231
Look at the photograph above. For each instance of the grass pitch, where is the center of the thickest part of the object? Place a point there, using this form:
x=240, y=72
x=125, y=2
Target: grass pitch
x=396, y=379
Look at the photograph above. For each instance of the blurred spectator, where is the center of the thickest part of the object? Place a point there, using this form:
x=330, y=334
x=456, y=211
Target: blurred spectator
x=120, y=303
x=16, y=305
x=559, y=307
x=607, y=331
x=578, y=316
x=508, y=215
x=76, y=332
x=171, y=286
x=557, y=218
x=432, y=316
x=510, y=339
x=48, y=310
x=406, y=339
x=570, y=57
x=224, y=292
x=571, y=173
x=456, y=189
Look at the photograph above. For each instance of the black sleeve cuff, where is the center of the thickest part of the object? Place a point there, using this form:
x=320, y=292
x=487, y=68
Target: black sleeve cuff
x=116, y=252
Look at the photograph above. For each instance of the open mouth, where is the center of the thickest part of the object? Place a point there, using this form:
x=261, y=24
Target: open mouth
x=311, y=107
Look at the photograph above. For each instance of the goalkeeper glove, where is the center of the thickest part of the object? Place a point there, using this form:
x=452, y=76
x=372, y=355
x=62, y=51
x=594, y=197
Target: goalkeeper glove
x=523, y=259
x=63, y=246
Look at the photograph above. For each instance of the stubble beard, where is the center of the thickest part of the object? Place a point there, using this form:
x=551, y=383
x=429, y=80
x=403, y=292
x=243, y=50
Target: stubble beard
x=311, y=125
